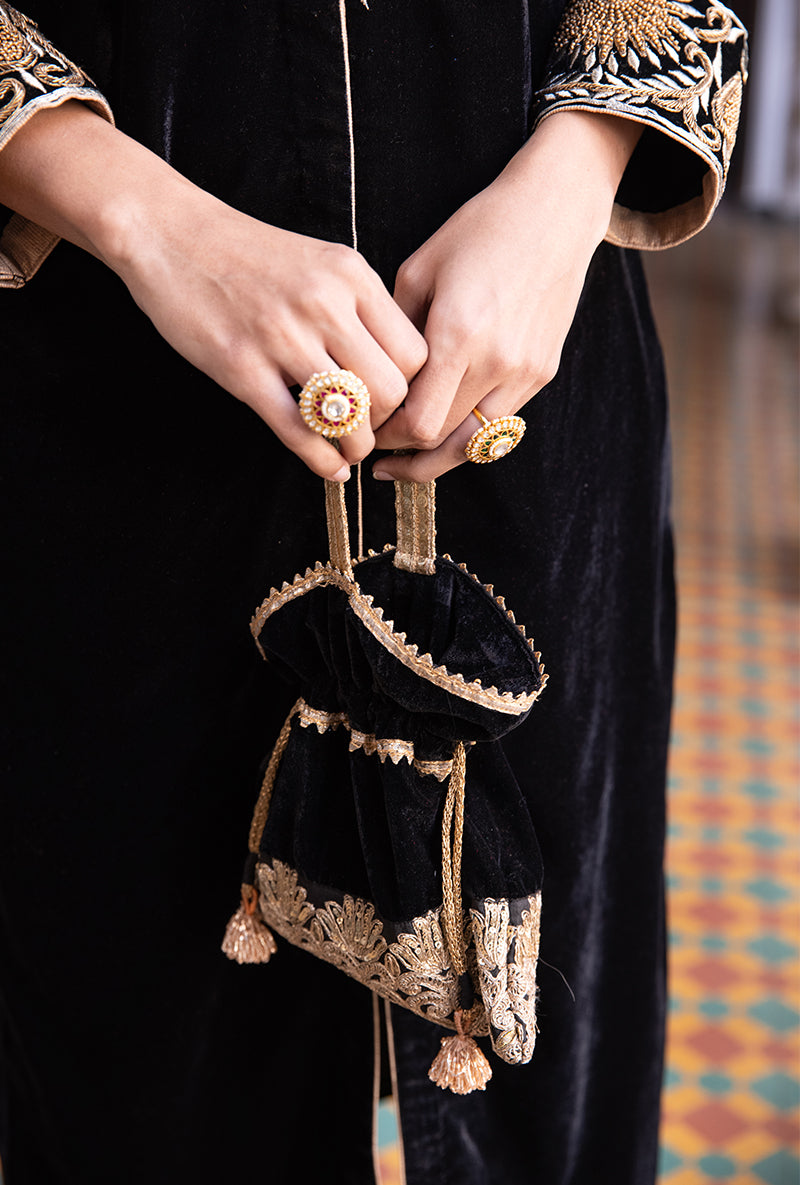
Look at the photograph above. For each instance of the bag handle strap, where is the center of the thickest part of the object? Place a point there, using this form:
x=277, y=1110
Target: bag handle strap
x=415, y=505
x=338, y=530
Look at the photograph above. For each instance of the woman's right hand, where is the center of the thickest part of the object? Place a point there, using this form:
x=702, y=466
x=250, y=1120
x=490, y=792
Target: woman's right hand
x=255, y=307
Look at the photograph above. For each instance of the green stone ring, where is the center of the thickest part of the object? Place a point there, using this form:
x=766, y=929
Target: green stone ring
x=494, y=439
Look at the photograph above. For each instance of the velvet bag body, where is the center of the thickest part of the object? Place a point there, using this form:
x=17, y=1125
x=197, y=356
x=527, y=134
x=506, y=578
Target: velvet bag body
x=387, y=792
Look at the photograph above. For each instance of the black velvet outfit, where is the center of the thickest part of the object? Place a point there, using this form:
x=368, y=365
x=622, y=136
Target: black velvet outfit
x=146, y=513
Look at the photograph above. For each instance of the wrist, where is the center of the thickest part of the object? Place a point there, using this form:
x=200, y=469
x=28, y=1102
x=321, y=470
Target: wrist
x=578, y=157
x=76, y=175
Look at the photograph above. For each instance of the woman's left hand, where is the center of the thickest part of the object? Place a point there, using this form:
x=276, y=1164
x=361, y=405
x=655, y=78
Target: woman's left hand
x=496, y=288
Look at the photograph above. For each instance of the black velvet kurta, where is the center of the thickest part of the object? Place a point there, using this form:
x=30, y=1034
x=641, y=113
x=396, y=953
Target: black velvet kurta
x=147, y=512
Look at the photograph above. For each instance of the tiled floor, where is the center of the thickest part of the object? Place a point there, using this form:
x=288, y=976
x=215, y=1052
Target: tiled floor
x=733, y=1081
x=732, y=1092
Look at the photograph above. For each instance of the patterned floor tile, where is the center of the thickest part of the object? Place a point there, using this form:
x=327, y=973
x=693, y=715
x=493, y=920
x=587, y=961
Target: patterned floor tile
x=732, y=1098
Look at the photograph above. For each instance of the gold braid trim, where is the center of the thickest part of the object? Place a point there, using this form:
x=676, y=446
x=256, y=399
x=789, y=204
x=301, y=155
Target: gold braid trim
x=395, y=749
x=452, y=836
x=415, y=505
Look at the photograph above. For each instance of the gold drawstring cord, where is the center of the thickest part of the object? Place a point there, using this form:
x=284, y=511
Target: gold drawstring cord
x=247, y=937
x=459, y=1065
x=452, y=836
x=262, y=806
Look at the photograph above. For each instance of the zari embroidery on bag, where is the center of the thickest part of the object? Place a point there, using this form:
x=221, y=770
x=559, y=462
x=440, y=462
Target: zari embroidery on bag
x=508, y=985
x=414, y=968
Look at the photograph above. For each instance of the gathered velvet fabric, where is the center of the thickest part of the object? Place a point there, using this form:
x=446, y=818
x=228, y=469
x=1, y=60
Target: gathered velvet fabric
x=370, y=826
x=147, y=514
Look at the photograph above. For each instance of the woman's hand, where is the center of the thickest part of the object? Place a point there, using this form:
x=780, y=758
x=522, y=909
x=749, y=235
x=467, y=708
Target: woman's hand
x=253, y=306
x=496, y=288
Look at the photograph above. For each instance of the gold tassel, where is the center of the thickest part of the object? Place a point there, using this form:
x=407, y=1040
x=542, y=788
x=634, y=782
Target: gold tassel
x=247, y=938
x=460, y=1065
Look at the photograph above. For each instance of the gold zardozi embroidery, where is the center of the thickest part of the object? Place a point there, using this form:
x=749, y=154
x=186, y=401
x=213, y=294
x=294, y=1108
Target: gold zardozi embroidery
x=414, y=969
x=33, y=75
x=508, y=987
x=31, y=66
x=650, y=28
x=676, y=66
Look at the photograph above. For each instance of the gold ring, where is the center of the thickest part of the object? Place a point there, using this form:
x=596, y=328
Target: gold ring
x=494, y=439
x=334, y=402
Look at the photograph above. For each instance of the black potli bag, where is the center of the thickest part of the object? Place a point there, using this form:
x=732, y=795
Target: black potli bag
x=390, y=837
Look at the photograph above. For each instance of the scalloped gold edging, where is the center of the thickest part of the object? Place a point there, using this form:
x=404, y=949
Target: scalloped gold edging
x=372, y=616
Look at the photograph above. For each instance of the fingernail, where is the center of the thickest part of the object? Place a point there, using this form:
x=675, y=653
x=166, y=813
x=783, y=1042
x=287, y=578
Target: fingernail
x=341, y=474
x=382, y=475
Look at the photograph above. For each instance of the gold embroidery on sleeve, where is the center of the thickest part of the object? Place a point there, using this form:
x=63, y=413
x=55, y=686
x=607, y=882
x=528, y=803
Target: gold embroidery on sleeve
x=664, y=62
x=16, y=51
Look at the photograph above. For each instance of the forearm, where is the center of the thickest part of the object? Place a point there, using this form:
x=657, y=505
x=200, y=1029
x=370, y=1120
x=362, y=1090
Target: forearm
x=75, y=174
x=268, y=307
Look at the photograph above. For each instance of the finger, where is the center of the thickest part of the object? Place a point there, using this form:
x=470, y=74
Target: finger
x=395, y=332
x=359, y=352
x=429, y=464
x=422, y=421
x=356, y=445
x=274, y=403
x=412, y=292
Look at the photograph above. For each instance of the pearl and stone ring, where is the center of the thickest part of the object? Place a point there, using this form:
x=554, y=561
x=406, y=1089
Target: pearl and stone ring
x=494, y=439
x=334, y=402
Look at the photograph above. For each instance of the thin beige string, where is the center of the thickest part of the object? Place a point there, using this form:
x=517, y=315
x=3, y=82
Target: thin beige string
x=350, y=132
x=452, y=837
x=395, y=1089
x=360, y=496
x=376, y=1084
x=353, y=227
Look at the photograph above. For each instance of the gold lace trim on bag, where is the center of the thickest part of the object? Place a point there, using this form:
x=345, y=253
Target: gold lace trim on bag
x=422, y=664
x=414, y=968
x=395, y=749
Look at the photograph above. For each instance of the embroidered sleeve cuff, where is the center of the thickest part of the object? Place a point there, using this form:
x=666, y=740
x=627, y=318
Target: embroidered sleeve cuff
x=33, y=75
x=675, y=67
